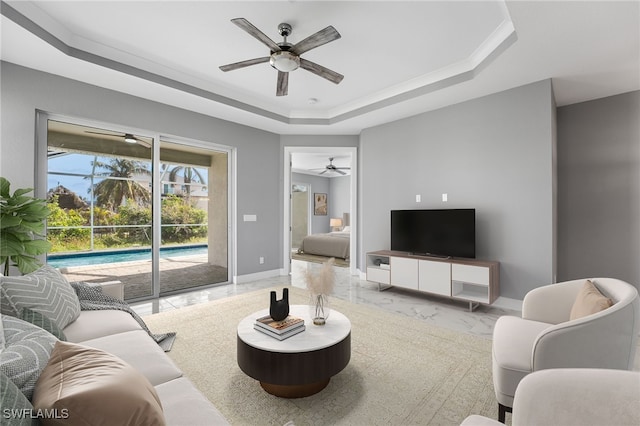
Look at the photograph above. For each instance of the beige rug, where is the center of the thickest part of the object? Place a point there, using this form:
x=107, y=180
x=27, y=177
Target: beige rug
x=402, y=371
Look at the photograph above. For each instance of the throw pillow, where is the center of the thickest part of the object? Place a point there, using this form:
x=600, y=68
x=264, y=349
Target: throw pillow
x=36, y=318
x=589, y=301
x=45, y=290
x=16, y=408
x=87, y=383
x=26, y=352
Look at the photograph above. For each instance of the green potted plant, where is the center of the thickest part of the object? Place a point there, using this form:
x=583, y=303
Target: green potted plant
x=22, y=225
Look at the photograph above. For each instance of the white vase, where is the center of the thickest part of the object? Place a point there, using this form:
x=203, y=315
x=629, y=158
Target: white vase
x=319, y=308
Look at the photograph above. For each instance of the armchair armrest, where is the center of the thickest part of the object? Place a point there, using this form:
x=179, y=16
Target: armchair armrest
x=551, y=303
x=111, y=288
x=601, y=340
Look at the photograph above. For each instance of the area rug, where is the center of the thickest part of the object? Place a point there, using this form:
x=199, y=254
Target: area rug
x=314, y=258
x=402, y=371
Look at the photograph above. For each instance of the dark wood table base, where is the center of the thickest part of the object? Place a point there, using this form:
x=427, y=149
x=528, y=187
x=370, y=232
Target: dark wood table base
x=295, y=391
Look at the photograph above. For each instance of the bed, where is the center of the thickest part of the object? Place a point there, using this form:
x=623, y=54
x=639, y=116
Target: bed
x=333, y=244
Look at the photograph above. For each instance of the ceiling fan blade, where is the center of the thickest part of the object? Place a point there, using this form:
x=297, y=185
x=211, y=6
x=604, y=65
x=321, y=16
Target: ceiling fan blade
x=315, y=40
x=340, y=171
x=256, y=33
x=242, y=64
x=321, y=71
x=282, y=88
x=321, y=173
x=143, y=143
x=105, y=134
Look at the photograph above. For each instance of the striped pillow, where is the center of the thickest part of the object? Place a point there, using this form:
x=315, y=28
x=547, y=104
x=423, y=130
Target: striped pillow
x=46, y=291
x=16, y=408
x=26, y=353
x=36, y=318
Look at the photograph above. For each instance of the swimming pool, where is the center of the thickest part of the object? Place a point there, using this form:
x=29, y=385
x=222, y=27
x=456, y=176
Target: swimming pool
x=100, y=257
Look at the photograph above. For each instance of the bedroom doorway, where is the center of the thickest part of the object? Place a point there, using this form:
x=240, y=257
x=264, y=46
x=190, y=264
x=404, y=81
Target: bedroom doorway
x=345, y=208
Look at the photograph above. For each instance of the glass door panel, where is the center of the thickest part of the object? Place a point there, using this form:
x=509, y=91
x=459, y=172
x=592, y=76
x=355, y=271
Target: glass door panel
x=100, y=194
x=194, y=217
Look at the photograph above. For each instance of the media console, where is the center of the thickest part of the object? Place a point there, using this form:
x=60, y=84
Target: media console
x=474, y=281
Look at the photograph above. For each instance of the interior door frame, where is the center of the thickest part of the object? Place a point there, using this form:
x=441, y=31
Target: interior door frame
x=353, y=201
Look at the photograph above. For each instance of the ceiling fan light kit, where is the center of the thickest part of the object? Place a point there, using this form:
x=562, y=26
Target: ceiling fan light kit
x=285, y=57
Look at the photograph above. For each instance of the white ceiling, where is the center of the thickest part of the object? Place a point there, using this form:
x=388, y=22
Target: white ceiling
x=399, y=58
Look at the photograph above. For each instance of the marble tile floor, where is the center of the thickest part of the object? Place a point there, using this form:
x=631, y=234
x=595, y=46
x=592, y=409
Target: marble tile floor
x=438, y=311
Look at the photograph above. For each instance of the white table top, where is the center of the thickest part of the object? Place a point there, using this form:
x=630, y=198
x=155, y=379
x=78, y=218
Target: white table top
x=313, y=338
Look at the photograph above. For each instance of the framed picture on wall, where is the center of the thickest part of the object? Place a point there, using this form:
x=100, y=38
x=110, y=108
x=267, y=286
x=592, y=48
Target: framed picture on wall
x=320, y=204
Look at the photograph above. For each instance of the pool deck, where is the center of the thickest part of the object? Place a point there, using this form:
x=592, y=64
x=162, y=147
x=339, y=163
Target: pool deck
x=176, y=273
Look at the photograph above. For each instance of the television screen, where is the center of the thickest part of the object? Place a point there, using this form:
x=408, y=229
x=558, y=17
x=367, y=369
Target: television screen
x=443, y=232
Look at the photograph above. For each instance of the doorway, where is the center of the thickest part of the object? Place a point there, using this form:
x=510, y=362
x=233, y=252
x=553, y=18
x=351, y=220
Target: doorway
x=351, y=152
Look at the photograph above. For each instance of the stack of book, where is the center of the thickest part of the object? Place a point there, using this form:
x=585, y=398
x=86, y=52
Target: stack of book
x=290, y=326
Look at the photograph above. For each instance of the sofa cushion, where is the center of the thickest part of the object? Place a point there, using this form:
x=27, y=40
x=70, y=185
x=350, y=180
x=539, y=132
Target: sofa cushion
x=36, y=318
x=184, y=404
x=45, y=290
x=15, y=406
x=26, y=352
x=589, y=301
x=140, y=351
x=100, y=323
x=93, y=387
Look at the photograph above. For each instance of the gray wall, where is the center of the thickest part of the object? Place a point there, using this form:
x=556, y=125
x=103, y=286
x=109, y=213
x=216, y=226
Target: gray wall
x=340, y=190
x=319, y=224
x=599, y=189
x=494, y=154
x=259, y=175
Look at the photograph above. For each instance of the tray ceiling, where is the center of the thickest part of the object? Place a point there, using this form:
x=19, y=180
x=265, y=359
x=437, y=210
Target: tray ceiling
x=398, y=58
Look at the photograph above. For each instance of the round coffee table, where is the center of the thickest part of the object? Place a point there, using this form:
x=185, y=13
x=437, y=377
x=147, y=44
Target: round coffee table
x=301, y=365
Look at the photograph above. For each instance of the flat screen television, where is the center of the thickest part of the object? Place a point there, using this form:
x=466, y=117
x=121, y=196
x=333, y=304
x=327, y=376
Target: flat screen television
x=441, y=232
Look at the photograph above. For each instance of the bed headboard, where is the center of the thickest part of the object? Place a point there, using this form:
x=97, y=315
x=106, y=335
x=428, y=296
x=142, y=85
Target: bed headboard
x=345, y=219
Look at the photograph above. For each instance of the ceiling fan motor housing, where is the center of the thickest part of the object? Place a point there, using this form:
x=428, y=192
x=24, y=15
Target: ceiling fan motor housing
x=285, y=29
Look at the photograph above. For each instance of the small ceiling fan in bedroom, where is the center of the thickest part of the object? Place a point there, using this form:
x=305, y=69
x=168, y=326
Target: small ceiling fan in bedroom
x=126, y=137
x=332, y=168
x=285, y=57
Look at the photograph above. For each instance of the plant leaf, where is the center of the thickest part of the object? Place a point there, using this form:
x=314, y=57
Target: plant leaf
x=22, y=191
x=35, y=247
x=10, y=245
x=9, y=221
x=25, y=263
x=5, y=187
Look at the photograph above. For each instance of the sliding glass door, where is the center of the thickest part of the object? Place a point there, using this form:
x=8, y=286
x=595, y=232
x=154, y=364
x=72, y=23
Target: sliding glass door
x=145, y=210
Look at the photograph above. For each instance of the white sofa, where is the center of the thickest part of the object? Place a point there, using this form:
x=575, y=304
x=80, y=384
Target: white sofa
x=580, y=396
x=118, y=333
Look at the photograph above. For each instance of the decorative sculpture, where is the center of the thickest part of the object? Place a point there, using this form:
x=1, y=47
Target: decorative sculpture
x=279, y=309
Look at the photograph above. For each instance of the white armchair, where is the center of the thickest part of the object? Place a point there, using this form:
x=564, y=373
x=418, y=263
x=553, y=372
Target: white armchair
x=545, y=337
x=574, y=396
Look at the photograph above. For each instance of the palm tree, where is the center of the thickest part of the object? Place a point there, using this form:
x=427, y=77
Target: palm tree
x=119, y=186
x=190, y=175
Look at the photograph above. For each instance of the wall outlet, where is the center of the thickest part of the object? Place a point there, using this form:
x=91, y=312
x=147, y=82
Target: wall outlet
x=418, y=198
x=261, y=260
x=445, y=197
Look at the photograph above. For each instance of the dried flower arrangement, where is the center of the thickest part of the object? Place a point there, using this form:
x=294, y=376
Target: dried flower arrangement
x=324, y=281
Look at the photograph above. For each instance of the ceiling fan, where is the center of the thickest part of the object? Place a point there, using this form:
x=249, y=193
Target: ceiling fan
x=285, y=57
x=331, y=168
x=127, y=137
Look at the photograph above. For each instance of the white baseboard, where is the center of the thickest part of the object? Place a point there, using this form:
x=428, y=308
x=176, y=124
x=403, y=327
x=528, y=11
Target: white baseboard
x=239, y=279
x=507, y=303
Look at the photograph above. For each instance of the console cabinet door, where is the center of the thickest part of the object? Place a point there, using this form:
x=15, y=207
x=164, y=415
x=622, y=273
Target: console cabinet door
x=435, y=277
x=404, y=272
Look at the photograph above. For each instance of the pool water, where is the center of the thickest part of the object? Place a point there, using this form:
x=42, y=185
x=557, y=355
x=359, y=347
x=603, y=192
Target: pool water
x=98, y=257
